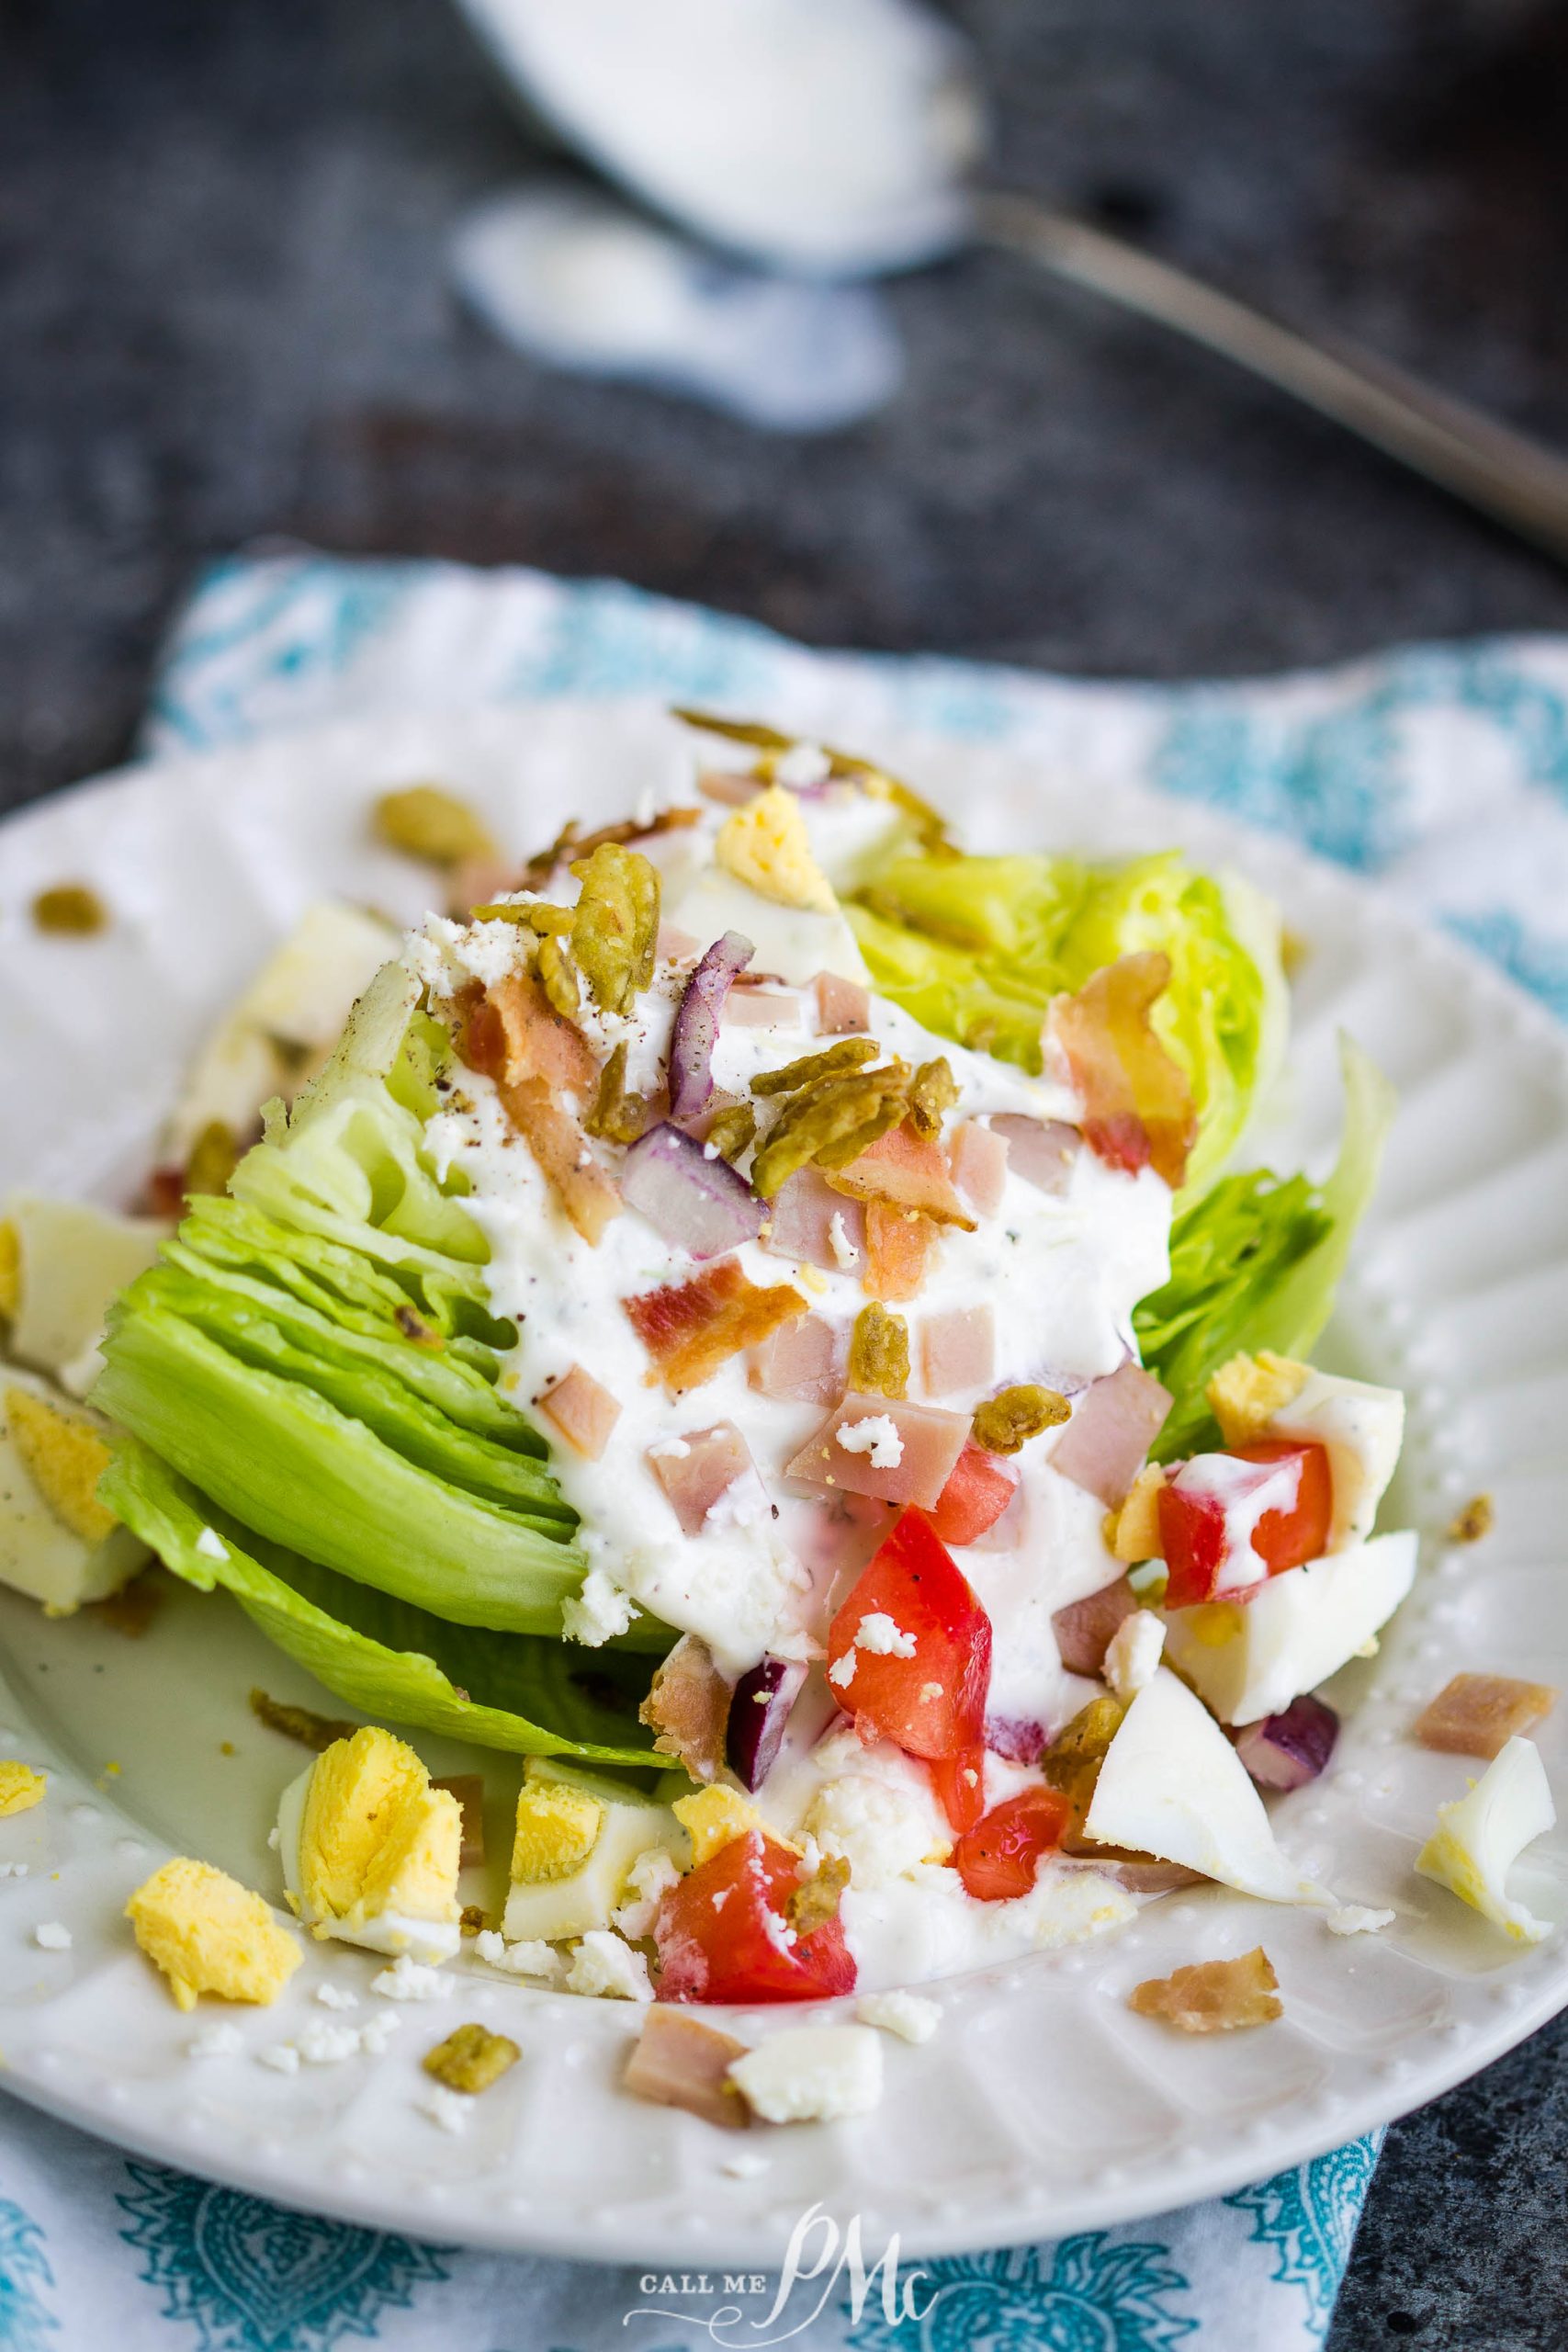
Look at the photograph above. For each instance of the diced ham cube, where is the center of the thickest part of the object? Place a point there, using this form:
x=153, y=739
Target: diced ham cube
x=1477, y=1714
x=680, y=2062
x=801, y=1222
x=979, y=1158
x=678, y=946
x=731, y=787
x=690, y=1328
x=929, y=1443
x=843, y=1007
x=761, y=1009
x=706, y=1467
x=584, y=1412
x=1113, y=1425
x=958, y=1349
x=1040, y=1150
x=469, y=1791
x=1083, y=1629
x=806, y=1359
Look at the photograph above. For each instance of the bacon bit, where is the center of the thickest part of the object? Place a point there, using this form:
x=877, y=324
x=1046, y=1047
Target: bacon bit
x=808, y=1360
x=469, y=1791
x=1103, y=1445
x=1137, y=1098
x=590, y=1198
x=582, y=1410
x=1083, y=1629
x=687, y=1708
x=958, y=1349
x=931, y=1441
x=1040, y=1150
x=979, y=1158
x=694, y=1481
x=1477, y=1714
x=302, y=1724
x=899, y=1245
x=1212, y=1995
x=1472, y=1522
x=413, y=1326
x=690, y=1328
x=801, y=1221
x=509, y=1032
x=843, y=1007
x=130, y=1610
x=680, y=2062
x=906, y=1171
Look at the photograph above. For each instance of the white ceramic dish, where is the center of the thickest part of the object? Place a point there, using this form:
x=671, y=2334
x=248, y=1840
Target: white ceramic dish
x=1042, y=2105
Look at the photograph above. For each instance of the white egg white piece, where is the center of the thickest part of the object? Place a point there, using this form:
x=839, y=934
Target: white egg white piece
x=1173, y=1786
x=1479, y=1838
x=1248, y=1659
x=422, y=1941
x=1363, y=1428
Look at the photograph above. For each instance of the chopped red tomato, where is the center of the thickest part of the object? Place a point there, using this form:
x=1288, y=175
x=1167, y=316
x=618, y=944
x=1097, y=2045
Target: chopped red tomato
x=1208, y=1553
x=724, y=1934
x=959, y=1782
x=997, y=1858
x=922, y=1683
x=980, y=1489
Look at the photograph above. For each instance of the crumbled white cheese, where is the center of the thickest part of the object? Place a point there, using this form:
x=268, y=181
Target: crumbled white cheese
x=210, y=1545
x=216, y=2042
x=811, y=2073
x=528, y=1957
x=650, y=1879
x=1357, y=1919
x=282, y=2057
x=845, y=1254
x=598, y=1612
x=909, y=2015
x=607, y=1969
x=275, y=1837
x=409, y=1980
x=50, y=1935
x=669, y=1449
x=336, y=1996
x=321, y=2044
x=378, y=2030
x=876, y=1436
x=841, y=1673
x=882, y=1637
x=747, y=2165
x=882, y=1832
x=1133, y=1653
x=450, y=2108
x=802, y=766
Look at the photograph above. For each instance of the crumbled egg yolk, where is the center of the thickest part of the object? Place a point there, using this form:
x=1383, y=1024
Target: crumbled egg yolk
x=64, y=1457
x=557, y=1828
x=209, y=1934
x=766, y=845
x=1245, y=1394
x=20, y=1788
x=1133, y=1530
x=376, y=1836
x=713, y=1817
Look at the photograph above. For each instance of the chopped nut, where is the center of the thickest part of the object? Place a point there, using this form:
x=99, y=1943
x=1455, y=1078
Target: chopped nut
x=616, y=1117
x=557, y=978
x=933, y=1093
x=879, y=1352
x=1477, y=1714
x=1072, y=1762
x=425, y=821
x=1004, y=1424
x=299, y=1723
x=614, y=929
x=831, y=1120
x=1473, y=1522
x=816, y=1900
x=1212, y=1995
x=471, y=2058
x=471, y=1919
x=214, y=1155
x=69, y=910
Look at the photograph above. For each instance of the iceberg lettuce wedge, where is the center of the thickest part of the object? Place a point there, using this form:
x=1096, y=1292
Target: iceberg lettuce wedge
x=530, y=1697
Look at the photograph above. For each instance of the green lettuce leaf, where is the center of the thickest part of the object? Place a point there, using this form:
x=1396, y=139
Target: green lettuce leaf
x=1257, y=1260
x=976, y=947
x=392, y=1662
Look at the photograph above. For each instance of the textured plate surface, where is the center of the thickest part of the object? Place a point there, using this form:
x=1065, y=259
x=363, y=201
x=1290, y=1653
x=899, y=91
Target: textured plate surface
x=1042, y=2105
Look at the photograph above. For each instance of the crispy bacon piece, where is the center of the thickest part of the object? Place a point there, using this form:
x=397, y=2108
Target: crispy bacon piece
x=680, y=2062
x=900, y=1244
x=582, y=1410
x=978, y=1157
x=690, y=1328
x=908, y=1171
x=1212, y=1995
x=687, y=1708
x=1083, y=1629
x=1477, y=1714
x=958, y=1349
x=694, y=1481
x=511, y=1033
x=1138, y=1104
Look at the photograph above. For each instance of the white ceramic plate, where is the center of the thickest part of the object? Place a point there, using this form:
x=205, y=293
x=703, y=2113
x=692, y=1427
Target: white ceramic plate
x=1042, y=2105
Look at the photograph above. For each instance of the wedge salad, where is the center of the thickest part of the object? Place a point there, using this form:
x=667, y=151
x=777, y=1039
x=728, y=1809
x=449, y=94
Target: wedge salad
x=755, y=1313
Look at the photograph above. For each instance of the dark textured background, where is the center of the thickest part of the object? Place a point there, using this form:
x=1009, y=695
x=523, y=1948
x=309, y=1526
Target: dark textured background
x=223, y=314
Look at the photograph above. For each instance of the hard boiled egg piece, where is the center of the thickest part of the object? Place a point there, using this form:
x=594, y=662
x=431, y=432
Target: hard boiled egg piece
x=370, y=1849
x=578, y=1837
x=1480, y=1836
x=1248, y=1659
x=1363, y=1428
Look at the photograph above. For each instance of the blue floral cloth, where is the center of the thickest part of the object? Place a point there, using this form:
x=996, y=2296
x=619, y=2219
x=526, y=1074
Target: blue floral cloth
x=1443, y=771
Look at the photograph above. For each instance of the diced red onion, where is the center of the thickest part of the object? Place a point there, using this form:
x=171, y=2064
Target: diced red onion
x=697, y=1017
x=1286, y=1751
x=700, y=1203
x=1083, y=1629
x=1040, y=1150
x=758, y=1714
x=1103, y=1446
x=1014, y=1739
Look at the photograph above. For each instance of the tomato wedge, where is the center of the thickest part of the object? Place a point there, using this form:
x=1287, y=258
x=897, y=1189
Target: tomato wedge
x=998, y=1858
x=959, y=1782
x=1204, y=1557
x=980, y=1487
x=928, y=1691
x=723, y=1935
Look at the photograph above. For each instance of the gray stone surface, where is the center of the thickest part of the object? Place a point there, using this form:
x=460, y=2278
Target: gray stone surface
x=222, y=315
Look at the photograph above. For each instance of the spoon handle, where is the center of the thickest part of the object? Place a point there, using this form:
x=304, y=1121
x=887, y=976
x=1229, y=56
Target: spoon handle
x=1502, y=472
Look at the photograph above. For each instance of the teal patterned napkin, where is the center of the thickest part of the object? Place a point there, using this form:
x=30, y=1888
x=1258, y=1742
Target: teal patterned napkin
x=1444, y=771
